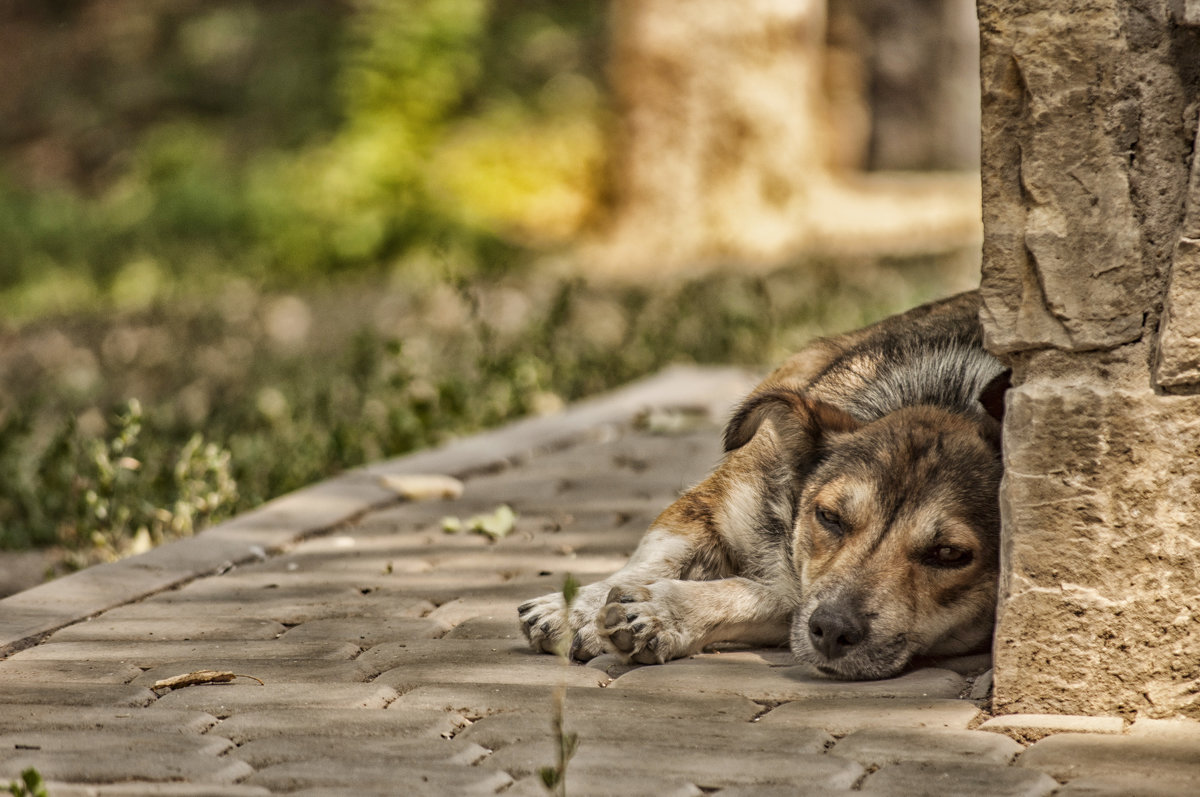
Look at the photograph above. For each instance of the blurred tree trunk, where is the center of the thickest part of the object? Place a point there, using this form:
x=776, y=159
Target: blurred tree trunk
x=719, y=132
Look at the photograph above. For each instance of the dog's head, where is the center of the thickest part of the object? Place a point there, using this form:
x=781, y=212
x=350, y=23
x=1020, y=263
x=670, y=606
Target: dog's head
x=895, y=530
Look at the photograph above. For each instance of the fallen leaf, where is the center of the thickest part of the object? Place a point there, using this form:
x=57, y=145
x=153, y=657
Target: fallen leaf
x=423, y=486
x=200, y=677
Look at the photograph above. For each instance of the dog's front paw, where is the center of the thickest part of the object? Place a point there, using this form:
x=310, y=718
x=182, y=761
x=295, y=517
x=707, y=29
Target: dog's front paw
x=639, y=624
x=545, y=623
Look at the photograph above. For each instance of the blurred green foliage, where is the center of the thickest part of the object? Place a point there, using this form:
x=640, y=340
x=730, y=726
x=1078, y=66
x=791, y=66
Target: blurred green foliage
x=289, y=141
x=300, y=227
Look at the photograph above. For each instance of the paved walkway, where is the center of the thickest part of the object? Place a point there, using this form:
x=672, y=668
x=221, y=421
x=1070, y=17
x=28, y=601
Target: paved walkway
x=391, y=662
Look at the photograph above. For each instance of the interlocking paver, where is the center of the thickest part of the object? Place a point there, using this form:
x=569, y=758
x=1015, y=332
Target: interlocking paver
x=923, y=779
x=149, y=654
x=393, y=662
x=615, y=784
x=70, y=670
x=142, y=789
x=146, y=763
x=269, y=671
x=481, y=700
x=407, y=665
x=504, y=730
x=174, y=629
x=32, y=717
x=365, y=632
x=778, y=684
x=840, y=716
x=246, y=726
x=1128, y=786
x=1066, y=756
x=699, y=766
x=879, y=746
x=221, y=700
x=263, y=753
x=383, y=777
x=71, y=693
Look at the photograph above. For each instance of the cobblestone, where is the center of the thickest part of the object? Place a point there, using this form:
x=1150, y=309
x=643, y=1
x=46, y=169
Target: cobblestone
x=392, y=661
x=925, y=779
x=880, y=746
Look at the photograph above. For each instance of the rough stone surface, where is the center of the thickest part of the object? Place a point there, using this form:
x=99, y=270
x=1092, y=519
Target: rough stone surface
x=776, y=684
x=844, y=715
x=922, y=779
x=1101, y=497
x=1067, y=756
x=879, y=746
x=1091, y=216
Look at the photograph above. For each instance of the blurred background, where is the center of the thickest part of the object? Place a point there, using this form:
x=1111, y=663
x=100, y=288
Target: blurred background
x=245, y=244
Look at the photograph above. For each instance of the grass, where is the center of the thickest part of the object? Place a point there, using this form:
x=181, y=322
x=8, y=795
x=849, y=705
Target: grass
x=120, y=431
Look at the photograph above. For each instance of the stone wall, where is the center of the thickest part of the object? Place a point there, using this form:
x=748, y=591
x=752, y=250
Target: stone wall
x=1092, y=294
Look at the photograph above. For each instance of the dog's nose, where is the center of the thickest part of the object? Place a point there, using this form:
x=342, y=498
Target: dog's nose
x=833, y=631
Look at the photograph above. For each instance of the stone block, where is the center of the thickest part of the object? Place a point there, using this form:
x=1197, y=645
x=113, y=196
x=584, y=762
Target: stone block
x=611, y=727
x=1031, y=727
x=1100, y=499
x=98, y=720
x=1125, y=786
x=82, y=695
x=697, y=765
x=145, y=764
x=271, y=671
x=880, y=746
x=617, y=784
x=350, y=723
x=781, y=684
x=841, y=716
x=150, y=654
x=1181, y=729
x=924, y=779
x=1061, y=205
x=1067, y=756
x=481, y=700
x=380, y=777
x=222, y=700
x=143, y=789
x=406, y=665
x=68, y=671
x=350, y=752
x=367, y=631
x=178, y=628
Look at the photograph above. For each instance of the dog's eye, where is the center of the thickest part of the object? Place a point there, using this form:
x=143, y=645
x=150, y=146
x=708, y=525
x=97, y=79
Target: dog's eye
x=831, y=521
x=949, y=557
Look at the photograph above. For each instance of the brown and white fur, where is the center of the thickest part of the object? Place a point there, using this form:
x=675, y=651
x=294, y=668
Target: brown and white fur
x=854, y=515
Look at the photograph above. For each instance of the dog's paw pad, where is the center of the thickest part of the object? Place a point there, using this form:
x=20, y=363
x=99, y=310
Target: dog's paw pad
x=632, y=627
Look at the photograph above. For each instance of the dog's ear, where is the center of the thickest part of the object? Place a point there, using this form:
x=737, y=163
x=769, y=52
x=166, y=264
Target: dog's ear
x=793, y=414
x=992, y=397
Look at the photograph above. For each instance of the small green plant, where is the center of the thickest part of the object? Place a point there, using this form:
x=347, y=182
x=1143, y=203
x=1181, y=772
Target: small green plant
x=30, y=785
x=554, y=778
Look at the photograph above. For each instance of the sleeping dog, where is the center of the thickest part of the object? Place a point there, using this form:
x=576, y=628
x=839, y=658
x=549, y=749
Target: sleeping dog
x=854, y=516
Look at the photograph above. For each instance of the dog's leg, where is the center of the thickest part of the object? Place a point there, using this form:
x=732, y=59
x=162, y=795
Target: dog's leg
x=671, y=618
x=662, y=553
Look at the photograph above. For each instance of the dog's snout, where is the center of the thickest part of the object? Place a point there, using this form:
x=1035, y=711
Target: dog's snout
x=834, y=630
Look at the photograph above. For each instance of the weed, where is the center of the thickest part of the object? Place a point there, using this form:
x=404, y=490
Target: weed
x=554, y=778
x=29, y=785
